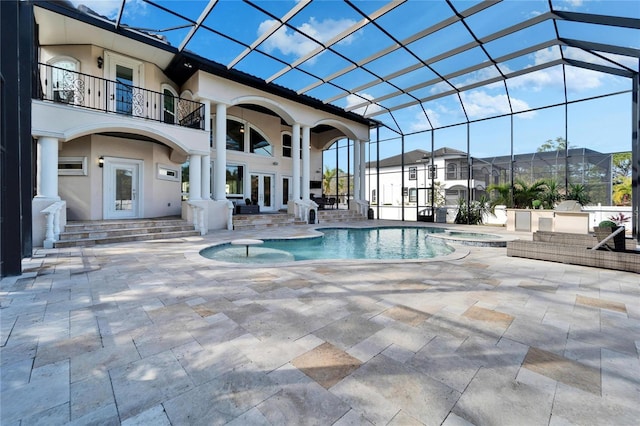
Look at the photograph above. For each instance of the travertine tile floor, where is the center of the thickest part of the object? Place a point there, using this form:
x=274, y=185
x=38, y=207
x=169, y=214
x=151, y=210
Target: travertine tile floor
x=150, y=333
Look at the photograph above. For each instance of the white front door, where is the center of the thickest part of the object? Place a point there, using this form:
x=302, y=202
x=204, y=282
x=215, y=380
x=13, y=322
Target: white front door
x=262, y=190
x=122, y=188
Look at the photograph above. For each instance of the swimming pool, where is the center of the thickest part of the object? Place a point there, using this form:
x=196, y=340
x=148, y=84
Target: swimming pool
x=340, y=243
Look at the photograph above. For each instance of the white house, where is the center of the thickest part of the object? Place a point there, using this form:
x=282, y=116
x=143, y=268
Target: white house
x=405, y=188
x=116, y=118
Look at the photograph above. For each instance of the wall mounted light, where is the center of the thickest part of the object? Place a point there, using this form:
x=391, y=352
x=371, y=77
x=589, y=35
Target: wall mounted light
x=101, y=161
x=275, y=163
x=188, y=65
x=100, y=61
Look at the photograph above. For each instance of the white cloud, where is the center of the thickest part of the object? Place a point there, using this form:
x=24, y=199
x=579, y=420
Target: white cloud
x=578, y=79
x=293, y=43
x=479, y=104
x=353, y=100
x=421, y=123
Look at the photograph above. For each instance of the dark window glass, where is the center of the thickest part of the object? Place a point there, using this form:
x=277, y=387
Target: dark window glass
x=235, y=136
x=286, y=145
x=259, y=145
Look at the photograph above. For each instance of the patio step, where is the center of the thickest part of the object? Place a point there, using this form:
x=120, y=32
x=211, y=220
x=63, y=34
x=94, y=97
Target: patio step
x=89, y=233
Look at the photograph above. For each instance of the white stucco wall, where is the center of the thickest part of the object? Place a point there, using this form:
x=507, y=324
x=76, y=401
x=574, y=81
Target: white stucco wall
x=84, y=194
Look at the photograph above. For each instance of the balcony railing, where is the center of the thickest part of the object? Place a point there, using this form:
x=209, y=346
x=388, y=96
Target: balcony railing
x=87, y=91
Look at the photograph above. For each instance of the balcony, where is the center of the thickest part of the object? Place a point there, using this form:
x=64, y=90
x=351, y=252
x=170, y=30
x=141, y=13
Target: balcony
x=72, y=88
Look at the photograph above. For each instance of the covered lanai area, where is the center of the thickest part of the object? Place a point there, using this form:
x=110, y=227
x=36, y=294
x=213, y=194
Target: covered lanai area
x=459, y=95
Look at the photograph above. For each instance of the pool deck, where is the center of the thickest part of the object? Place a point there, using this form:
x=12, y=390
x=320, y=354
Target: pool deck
x=152, y=333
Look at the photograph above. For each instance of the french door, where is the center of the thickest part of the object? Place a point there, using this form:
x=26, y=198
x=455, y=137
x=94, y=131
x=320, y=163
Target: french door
x=125, y=96
x=262, y=190
x=122, y=195
x=286, y=190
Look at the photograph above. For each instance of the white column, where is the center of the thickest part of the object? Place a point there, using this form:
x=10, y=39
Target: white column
x=195, y=177
x=306, y=141
x=295, y=158
x=207, y=114
x=206, y=177
x=47, y=168
x=220, y=180
x=363, y=171
x=356, y=169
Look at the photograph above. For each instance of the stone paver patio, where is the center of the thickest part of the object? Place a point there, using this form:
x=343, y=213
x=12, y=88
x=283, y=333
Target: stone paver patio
x=151, y=333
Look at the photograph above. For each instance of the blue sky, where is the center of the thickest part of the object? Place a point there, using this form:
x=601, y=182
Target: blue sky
x=603, y=125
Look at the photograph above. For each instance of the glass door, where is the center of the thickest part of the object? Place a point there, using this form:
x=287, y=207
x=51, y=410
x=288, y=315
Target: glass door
x=262, y=191
x=124, y=87
x=124, y=90
x=286, y=191
x=122, y=189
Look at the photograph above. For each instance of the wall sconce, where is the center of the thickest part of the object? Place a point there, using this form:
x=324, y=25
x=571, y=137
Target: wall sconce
x=100, y=61
x=275, y=163
x=101, y=161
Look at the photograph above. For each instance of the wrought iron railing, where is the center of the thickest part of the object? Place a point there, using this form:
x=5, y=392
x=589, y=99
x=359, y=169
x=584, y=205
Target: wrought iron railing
x=87, y=91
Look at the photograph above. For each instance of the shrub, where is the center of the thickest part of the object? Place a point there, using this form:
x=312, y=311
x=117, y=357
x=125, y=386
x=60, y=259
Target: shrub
x=607, y=224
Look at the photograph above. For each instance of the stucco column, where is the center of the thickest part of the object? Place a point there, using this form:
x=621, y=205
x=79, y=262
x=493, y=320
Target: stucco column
x=356, y=169
x=306, y=141
x=363, y=171
x=220, y=172
x=195, y=177
x=206, y=177
x=47, y=168
x=207, y=114
x=295, y=159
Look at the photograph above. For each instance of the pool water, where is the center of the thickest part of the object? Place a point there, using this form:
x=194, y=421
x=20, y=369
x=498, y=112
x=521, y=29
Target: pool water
x=340, y=243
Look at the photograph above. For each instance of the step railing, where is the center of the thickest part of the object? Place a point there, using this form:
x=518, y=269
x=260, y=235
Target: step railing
x=52, y=229
x=87, y=91
x=362, y=206
x=197, y=214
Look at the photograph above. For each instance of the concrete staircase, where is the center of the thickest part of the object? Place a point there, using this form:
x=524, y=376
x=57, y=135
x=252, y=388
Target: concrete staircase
x=89, y=233
x=268, y=220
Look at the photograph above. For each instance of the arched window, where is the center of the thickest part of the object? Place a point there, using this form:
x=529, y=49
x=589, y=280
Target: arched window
x=258, y=144
x=169, y=104
x=452, y=171
x=65, y=85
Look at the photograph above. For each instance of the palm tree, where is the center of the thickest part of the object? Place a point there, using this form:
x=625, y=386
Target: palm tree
x=500, y=195
x=622, y=192
x=579, y=193
x=328, y=178
x=524, y=194
x=551, y=194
